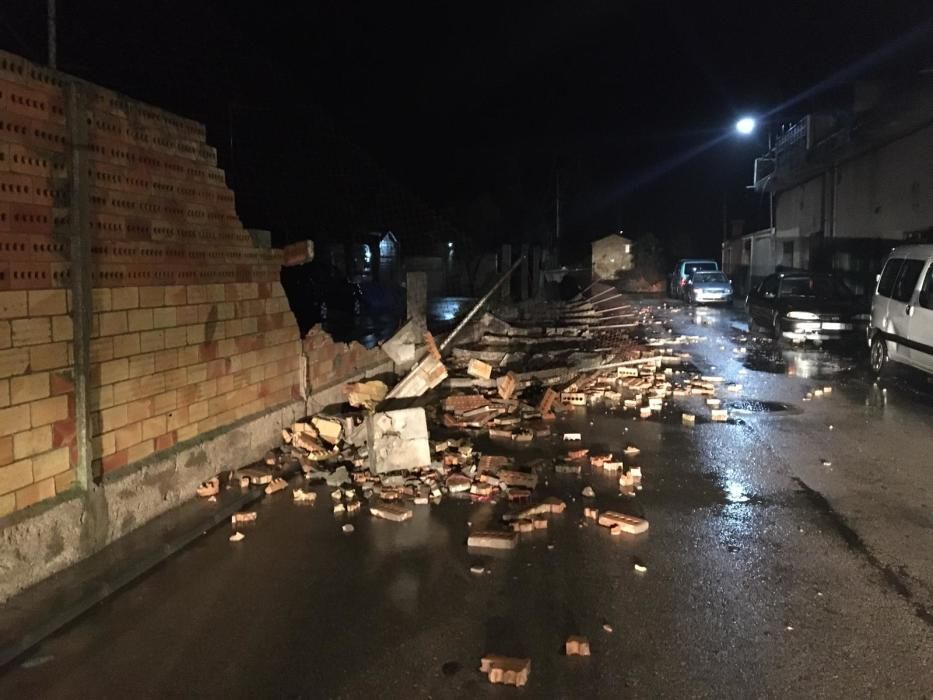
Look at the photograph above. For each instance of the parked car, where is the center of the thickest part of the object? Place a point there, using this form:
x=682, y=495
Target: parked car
x=708, y=288
x=681, y=273
x=901, y=328
x=805, y=306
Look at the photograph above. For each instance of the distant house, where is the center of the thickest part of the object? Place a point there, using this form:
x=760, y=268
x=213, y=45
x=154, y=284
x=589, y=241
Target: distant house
x=611, y=255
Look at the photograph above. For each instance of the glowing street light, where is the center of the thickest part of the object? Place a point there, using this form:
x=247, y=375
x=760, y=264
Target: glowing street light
x=745, y=125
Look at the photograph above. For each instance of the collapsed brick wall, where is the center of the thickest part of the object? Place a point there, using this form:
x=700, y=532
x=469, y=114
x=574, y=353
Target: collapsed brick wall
x=190, y=328
x=331, y=363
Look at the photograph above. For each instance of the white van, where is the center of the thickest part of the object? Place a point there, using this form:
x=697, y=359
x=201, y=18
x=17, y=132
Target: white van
x=901, y=327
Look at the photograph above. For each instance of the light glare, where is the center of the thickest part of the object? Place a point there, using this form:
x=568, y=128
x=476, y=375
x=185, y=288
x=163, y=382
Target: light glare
x=745, y=125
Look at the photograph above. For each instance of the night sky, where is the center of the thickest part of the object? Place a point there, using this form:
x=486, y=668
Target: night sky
x=475, y=108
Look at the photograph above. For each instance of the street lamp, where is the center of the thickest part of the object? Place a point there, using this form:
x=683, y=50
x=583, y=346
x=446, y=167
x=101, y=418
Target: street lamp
x=745, y=125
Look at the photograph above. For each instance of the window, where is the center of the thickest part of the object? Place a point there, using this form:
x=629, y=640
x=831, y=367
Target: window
x=926, y=291
x=787, y=257
x=770, y=286
x=888, y=275
x=814, y=288
x=907, y=280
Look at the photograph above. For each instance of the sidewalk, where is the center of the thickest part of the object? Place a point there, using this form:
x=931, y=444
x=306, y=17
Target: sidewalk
x=43, y=609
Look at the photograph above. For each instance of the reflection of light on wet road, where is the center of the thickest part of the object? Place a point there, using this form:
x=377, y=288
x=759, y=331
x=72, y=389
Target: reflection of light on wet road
x=735, y=492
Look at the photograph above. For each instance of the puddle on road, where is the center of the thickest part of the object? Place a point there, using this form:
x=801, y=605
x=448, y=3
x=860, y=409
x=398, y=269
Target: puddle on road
x=756, y=406
x=806, y=363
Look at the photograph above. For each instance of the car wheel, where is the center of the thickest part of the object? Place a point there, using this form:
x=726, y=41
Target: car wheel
x=878, y=355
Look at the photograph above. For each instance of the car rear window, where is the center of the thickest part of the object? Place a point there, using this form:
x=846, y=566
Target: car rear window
x=814, y=287
x=709, y=277
x=690, y=268
x=907, y=280
x=888, y=275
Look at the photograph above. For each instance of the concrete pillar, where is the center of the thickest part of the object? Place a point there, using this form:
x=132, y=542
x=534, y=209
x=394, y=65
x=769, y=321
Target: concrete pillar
x=523, y=272
x=76, y=107
x=416, y=285
x=535, y=271
x=505, y=262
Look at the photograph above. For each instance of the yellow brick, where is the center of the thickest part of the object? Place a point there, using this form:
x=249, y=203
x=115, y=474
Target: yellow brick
x=165, y=402
x=151, y=340
x=31, y=331
x=197, y=411
x=100, y=300
x=197, y=294
x=13, y=305
x=32, y=442
x=47, y=302
x=176, y=296
x=186, y=433
x=166, y=359
x=13, y=361
x=6, y=335
x=114, y=371
x=142, y=364
x=4, y=393
x=48, y=410
x=216, y=292
x=195, y=334
x=50, y=464
x=51, y=356
x=14, y=419
x=174, y=378
x=7, y=504
x=163, y=317
x=177, y=418
x=175, y=337
x=154, y=427
x=151, y=296
x=64, y=481
x=226, y=311
x=34, y=493
x=188, y=356
x=137, y=411
x=197, y=373
x=112, y=323
x=185, y=315
x=101, y=397
x=140, y=319
x=128, y=435
x=15, y=476
x=62, y=328
x=126, y=345
x=124, y=298
x=29, y=387
x=104, y=445
x=140, y=451
x=101, y=349
x=113, y=418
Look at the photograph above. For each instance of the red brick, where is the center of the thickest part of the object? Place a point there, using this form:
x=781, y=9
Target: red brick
x=163, y=442
x=63, y=432
x=114, y=461
x=61, y=383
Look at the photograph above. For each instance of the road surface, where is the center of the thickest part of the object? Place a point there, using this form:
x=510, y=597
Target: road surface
x=790, y=554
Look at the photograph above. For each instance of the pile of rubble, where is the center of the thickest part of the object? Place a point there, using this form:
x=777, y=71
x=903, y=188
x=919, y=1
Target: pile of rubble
x=504, y=390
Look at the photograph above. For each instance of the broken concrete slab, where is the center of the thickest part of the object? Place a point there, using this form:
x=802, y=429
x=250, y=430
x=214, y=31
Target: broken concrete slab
x=395, y=512
x=366, y=395
x=505, y=670
x=398, y=440
x=626, y=523
x=479, y=369
x=489, y=539
x=329, y=429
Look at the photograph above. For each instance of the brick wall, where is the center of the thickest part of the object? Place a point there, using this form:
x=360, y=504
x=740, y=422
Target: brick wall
x=331, y=363
x=189, y=327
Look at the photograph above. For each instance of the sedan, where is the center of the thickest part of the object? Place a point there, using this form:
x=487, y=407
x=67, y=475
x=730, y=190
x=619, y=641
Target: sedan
x=803, y=306
x=708, y=287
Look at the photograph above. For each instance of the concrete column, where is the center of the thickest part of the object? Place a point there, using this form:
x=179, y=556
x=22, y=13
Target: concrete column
x=76, y=106
x=523, y=272
x=416, y=284
x=505, y=262
x=535, y=271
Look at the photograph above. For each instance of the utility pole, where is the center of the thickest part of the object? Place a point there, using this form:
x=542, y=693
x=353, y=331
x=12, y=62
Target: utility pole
x=557, y=215
x=53, y=36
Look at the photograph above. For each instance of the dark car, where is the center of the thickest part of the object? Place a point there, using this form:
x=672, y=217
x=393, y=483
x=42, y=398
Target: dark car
x=805, y=306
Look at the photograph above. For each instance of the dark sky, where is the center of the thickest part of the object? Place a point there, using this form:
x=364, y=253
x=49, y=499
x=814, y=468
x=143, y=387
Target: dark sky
x=475, y=107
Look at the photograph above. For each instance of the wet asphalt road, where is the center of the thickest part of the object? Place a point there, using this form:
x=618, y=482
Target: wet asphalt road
x=769, y=573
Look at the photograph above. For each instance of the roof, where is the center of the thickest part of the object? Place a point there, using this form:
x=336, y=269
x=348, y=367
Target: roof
x=613, y=237
x=920, y=250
